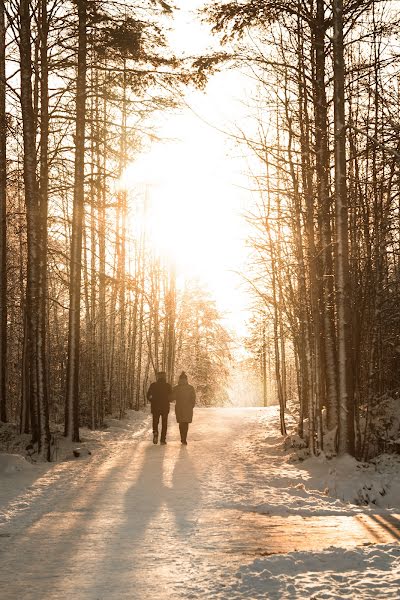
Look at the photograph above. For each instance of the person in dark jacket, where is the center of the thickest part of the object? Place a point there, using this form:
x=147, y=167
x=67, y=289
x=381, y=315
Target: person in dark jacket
x=185, y=399
x=159, y=395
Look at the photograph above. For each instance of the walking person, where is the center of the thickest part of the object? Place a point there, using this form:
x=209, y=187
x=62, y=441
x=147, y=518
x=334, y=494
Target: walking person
x=185, y=399
x=159, y=395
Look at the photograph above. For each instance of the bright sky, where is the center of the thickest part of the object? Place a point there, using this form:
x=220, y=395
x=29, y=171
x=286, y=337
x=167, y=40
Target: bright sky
x=196, y=180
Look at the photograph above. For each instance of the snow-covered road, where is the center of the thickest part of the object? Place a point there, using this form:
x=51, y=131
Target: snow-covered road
x=215, y=519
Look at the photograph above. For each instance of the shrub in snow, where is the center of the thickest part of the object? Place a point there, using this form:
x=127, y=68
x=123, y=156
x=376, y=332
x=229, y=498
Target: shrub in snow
x=12, y=442
x=383, y=434
x=81, y=452
x=370, y=494
x=293, y=440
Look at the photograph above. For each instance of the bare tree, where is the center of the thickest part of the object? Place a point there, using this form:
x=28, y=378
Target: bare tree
x=72, y=389
x=3, y=220
x=345, y=367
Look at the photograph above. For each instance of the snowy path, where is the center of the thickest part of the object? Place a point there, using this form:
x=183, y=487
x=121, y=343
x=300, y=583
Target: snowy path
x=141, y=522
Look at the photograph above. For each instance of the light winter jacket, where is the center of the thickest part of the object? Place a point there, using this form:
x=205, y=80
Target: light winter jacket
x=185, y=399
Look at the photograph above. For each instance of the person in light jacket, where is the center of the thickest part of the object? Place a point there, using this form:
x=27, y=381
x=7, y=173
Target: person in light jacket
x=185, y=399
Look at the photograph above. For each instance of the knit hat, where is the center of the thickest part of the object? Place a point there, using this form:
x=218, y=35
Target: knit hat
x=183, y=376
x=161, y=375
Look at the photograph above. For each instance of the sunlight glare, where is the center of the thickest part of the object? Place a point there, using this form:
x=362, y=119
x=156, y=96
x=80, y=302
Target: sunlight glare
x=187, y=217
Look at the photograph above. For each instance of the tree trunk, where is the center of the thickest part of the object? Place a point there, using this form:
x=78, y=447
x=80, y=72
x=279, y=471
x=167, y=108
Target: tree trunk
x=102, y=319
x=276, y=310
x=31, y=202
x=324, y=220
x=141, y=274
x=122, y=216
x=171, y=320
x=314, y=324
x=345, y=388
x=264, y=366
x=43, y=405
x=72, y=383
x=3, y=222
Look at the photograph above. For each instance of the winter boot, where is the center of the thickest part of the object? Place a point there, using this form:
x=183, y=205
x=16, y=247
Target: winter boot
x=155, y=437
x=163, y=442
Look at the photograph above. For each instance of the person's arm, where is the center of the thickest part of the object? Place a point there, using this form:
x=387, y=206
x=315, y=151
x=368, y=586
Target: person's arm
x=149, y=394
x=193, y=396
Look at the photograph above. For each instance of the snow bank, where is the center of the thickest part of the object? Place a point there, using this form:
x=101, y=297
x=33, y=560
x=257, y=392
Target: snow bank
x=13, y=442
x=375, y=484
x=19, y=476
x=114, y=430
x=286, y=484
x=371, y=572
x=11, y=463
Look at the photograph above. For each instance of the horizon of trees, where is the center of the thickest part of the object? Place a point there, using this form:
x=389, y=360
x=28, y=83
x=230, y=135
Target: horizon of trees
x=88, y=309
x=326, y=244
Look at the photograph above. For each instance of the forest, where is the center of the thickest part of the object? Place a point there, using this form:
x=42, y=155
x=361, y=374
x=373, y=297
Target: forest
x=90, y=310
x=200, y=299
x=324, y=272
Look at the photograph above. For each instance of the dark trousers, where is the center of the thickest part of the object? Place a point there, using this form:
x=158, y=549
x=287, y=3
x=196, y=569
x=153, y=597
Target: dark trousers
x=164, y=424
x=183, y=428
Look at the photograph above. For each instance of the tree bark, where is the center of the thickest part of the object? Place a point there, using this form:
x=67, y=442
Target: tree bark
x=3, y=221
x=345, y=388
x=43, y=405
x=31, y=202
x=72, y=383
x=171, y=321
x=324, y=219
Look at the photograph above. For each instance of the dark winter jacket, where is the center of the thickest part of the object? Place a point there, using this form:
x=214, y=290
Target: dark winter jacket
x=159, y=395
x=185, y=399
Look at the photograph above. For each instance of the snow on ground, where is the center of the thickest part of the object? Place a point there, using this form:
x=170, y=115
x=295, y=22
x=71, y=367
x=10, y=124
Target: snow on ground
x=18, y=472
x=13, y=463
x=354, y=574
x=376, y=483
x=317, y=486
x=229, y=516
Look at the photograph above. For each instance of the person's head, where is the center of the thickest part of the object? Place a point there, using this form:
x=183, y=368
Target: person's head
x=183, y=377
x=161, y=376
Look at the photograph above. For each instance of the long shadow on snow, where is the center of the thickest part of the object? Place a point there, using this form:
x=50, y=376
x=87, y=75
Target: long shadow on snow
x=62, y=520
x=159, y=518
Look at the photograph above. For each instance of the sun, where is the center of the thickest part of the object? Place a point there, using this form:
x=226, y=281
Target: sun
x=186, y=219
x=193, y=220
